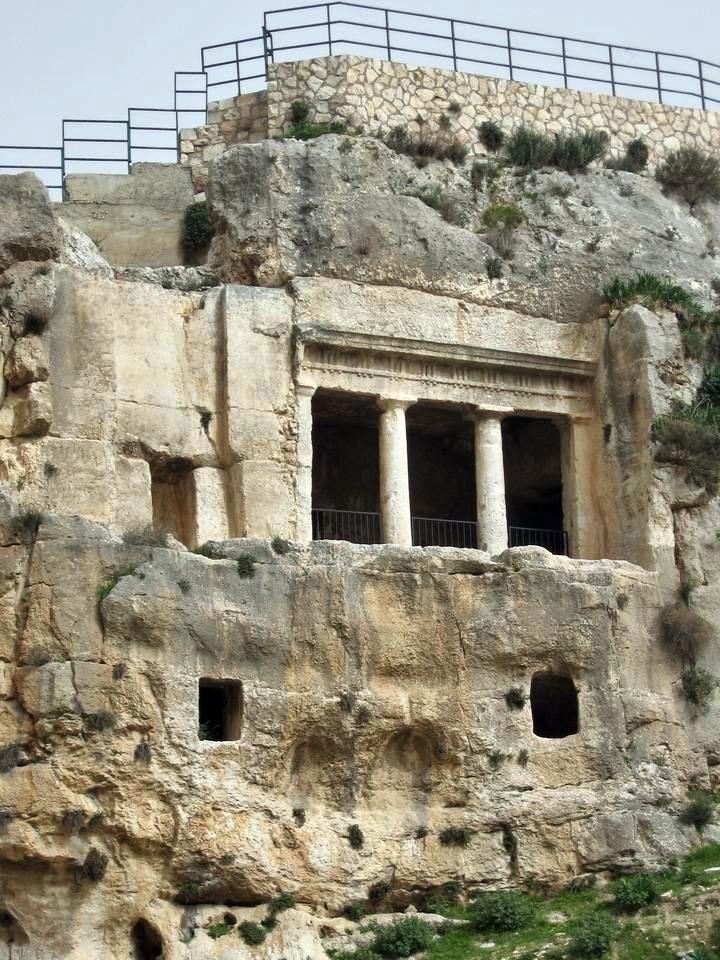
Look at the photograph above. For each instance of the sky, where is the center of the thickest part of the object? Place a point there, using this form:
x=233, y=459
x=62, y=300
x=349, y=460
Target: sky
x=93, y=58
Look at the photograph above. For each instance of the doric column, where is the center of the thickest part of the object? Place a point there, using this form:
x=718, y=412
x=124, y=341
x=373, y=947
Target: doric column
x=394, y=480
x=490, y=481
x=303, y=484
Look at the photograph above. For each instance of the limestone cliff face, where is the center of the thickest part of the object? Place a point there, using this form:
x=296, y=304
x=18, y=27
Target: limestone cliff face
x=377, y=687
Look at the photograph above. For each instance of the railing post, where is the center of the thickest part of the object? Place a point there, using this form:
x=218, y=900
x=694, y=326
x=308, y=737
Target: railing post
x=564, y=59
x=509, y=49
x=702, y=83
x=62, y=164
x=237, y=65
x=454, y=49
x=387, y=34
x=612, y=68
x=129, y=140
x=329, y=29
x=657, y=71
x=265, y=50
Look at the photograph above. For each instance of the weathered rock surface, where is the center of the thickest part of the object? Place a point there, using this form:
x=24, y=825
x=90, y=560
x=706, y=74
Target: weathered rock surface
x=344, y=207
x=28, y=227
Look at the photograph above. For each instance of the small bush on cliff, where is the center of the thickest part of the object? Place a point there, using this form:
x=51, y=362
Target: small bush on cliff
x=709, y=390
x=635, y=159
x=573, y=152
x=283, y=901
x=692, y=174
x=197, y=228
x=143, y=753
x=530, y=148
x=455, y=837
x=280, y=546
x=402, y=939
x=311, y=131
x=94, y=866
x=299, y=111
x=685, y=630
x=378, y=891
x=699, y=811
x=594, y=936
x=73, y=821
x=427, y=144
x=491, y=135
x=698, y=686
x=652, y=292
x=252, y=933
x=100, y=721
x=438, y=200
x=633, y=893
x=515, y=698
x=355, y=911
x=500, y=910
x=356, y=836
x=217, y=930
x=27, y=523
x=9, y=757
x=689, y=437
x=245, y=566
x=507, y=215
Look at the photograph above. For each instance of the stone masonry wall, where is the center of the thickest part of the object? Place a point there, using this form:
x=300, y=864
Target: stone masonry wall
x=242, y=119
x=377, y=95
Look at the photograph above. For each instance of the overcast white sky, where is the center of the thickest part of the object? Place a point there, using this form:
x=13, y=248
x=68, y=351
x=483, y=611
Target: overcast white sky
x=93, y=58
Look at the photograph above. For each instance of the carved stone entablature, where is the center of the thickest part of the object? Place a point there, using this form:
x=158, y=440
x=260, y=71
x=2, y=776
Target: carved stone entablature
x=442, y=371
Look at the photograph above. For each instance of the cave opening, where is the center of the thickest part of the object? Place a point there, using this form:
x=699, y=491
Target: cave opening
x=146, y=941
x=554, y=705
x=220, y=709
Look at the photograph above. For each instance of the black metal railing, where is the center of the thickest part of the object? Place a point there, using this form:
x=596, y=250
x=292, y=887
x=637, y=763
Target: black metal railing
x=431, y=532
x=340, y=26
x=556, y=541
x=355, y=526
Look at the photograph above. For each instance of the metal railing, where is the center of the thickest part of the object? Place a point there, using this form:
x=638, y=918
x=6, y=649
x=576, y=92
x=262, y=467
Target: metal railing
x=340, y=26
x=355, y=526
x=431, y=532
x=556, y=541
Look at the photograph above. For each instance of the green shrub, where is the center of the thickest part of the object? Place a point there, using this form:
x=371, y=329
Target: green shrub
x=283, y=901
x=530, y=148
x=515, y=698
x=709, y=390
x=9, y=757
x=698, y=686
x=653, y=292
x=362, y=953
x=107, y=586
x=299, y=111
x=576, y=151
x=217, y=930
x=594, y=936
x=269, y=922
x=299, y=816
x=501, y=910
x=684, y=630
x=27, y=523
x=507, y=215
x=491, y=135
x=403, y=939
x=427, y=145
x=689, y=437
x=252, y=933
x=693, y=174
x=455, y=837
x=378, y=891
x=355, y=836
x=633, y=893
x=437, y=199
x=699, y=811
x=197, y=228
x=184, y=586
x=311, y=131
x=102, y=720
x=94, y=866
x=693, y=342
x=280, y=546
x=355, y=911
x=494, y=267
x=245, y=566
x=636, y=156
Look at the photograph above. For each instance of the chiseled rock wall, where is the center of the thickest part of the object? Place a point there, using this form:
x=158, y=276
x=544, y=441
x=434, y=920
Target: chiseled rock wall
x=374, y=682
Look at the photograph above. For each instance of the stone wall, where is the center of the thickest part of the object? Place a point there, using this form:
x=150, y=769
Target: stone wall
x=376, y=95
x=242, y=119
